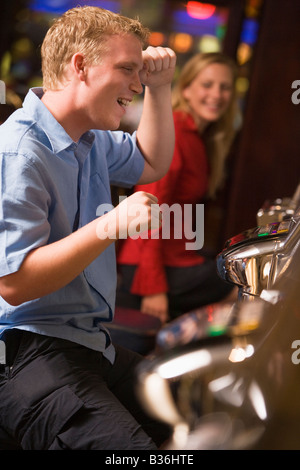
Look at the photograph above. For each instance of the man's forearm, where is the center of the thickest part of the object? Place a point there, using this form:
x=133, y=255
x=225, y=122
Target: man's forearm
x=51, y=267
x=155, y=134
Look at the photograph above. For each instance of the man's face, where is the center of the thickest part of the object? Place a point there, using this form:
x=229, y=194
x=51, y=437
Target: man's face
x=111, y=86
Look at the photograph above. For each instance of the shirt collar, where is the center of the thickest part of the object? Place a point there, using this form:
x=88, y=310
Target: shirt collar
x=56, y=134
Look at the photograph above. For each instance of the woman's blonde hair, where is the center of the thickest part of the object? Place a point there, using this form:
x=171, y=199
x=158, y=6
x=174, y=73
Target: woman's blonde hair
x=219, y=135
x=83, y=29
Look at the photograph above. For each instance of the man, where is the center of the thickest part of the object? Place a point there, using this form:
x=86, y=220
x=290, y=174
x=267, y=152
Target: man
x=63, y=384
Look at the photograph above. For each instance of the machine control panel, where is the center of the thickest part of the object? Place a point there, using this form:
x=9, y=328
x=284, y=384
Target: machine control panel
x=256, y=234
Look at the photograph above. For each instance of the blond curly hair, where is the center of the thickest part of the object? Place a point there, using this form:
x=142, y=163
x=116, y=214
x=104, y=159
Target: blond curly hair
x=82, y=29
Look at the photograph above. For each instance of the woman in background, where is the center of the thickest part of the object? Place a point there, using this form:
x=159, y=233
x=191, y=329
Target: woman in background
x=160, y=276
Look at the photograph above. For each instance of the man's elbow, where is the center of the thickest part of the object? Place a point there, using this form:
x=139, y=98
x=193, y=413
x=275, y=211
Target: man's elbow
x=150, y=174
x=10, y=293
x=12, y=299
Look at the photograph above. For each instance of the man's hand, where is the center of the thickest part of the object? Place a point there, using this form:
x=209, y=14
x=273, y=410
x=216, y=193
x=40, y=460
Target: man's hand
x=159, y=66
x=138, y=213
x=133, y=216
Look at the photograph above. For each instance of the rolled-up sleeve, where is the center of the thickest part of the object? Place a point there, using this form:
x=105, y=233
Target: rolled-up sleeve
x=23, y=211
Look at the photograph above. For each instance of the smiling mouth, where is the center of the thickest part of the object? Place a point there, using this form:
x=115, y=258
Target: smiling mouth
x=122, y=102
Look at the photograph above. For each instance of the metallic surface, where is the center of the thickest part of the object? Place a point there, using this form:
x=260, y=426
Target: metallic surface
x=256, y=263
x=237, y=386
x=239, y=390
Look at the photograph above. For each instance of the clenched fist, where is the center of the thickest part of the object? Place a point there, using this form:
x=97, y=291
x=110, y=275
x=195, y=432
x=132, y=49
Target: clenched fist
x=133, y=216
x=159, y=66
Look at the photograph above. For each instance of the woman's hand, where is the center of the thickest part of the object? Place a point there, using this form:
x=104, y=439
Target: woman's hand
x=156, y=305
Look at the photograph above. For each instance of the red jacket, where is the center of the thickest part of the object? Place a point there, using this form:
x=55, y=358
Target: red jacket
x=185, y=183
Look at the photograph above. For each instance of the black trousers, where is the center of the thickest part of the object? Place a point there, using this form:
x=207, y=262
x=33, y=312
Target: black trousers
x=58, y=395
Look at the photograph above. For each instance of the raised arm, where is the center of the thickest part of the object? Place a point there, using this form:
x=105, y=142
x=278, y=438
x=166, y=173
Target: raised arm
x=155, y=134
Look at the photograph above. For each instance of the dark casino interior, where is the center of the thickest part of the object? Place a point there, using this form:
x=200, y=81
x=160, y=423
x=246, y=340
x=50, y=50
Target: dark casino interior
x=231, y=382
x=262, y=36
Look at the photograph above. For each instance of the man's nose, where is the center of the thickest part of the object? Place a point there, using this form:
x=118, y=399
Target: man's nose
x=136, y=85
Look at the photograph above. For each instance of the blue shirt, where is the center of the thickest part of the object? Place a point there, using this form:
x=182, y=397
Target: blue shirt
x=46, y=180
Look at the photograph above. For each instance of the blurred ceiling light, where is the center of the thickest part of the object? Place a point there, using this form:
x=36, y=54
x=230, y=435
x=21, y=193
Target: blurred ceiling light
x=156, y=38
x=200, y=11
x=209, y=43
x=244, y=53
x=181, y=42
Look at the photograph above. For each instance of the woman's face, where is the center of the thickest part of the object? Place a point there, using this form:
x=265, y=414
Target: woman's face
x=209, y=94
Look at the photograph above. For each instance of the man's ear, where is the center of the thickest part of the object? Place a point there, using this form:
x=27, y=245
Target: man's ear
x=78, y=65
